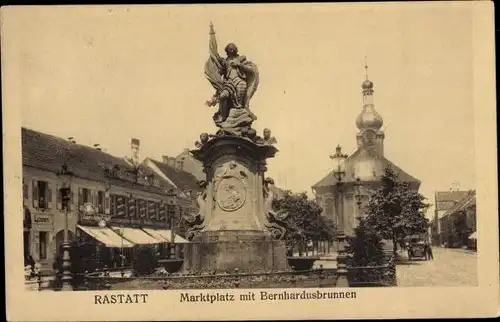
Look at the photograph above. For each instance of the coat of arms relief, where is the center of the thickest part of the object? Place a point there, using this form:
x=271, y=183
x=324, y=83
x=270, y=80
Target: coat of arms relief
x=230, y=186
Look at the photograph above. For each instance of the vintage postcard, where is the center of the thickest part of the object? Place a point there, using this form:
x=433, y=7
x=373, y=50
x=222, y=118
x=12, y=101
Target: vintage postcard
x=241, y=162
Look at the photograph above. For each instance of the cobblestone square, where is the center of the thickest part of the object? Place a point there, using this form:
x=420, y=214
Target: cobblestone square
x=450, y=267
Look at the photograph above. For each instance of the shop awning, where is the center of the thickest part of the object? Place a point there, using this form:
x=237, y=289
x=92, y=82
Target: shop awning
x=137, y=236
x=106, y=236
x=473, y=235
x=155, y=234
x=167, y=235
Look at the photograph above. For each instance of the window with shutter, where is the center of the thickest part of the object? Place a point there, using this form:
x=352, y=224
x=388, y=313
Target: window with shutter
x=80, y=198
x=25, y=190
x=58, y=197
x=48, y=188
x=35, y=193
x=72, y=201
x=100, y=202
x=107, y=203
x=42, y=191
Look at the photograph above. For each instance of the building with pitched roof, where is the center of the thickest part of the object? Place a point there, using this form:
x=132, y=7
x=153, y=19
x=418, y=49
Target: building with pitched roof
x=367, y=163
x=130, y=198
x=458, y=223
x=443, y=202
x=186, y=162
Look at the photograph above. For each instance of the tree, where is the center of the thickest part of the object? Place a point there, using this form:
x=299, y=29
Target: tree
x=304, y=218
x=395, y=211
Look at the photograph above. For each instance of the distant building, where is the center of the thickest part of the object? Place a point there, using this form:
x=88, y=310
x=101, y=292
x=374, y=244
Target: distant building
x=367, y=163
x=180, y=179
x=458, y=223
x=130, y=199
x=186, y=162
x=443, y=202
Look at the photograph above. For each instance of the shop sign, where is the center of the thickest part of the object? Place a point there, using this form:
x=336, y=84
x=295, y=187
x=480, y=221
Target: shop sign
x=89, y=214
x=43, y=219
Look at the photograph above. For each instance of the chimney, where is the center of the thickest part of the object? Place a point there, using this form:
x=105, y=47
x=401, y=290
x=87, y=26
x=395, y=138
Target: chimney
x=179, y=163
x=168, y=160
x=134, y=147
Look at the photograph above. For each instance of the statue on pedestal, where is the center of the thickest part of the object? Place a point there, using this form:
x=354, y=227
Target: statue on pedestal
x=235, y=80
x=236, y=226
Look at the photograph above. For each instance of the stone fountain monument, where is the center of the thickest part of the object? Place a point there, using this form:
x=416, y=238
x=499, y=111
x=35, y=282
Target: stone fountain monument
x=236, y=226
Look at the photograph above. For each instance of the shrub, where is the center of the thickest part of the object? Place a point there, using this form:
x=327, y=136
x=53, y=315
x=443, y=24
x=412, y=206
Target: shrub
x=365, y=248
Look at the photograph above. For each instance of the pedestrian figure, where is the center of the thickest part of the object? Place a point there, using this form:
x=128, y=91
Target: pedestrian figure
x=429, y=252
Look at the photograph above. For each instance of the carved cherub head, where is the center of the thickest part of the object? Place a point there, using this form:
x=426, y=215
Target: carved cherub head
x=204, y=138
x=269, y=181
x=267, y=134
x=251, y=134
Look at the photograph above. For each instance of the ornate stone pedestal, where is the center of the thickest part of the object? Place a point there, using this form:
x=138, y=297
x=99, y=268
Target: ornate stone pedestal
x=235, y=228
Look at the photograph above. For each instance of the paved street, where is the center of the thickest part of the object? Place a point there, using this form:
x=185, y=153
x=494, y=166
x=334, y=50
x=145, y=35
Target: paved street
x=450, y=267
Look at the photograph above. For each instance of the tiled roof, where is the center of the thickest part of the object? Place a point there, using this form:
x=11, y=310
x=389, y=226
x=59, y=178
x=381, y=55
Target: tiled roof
x=450, y=195
x=466, y=202
x=184, y=180
x=48, y=152
x=368, y=166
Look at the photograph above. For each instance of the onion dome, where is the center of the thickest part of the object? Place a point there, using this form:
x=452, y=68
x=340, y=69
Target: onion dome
x=369, y=119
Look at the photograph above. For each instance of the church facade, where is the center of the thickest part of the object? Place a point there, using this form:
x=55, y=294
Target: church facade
x=363, y=169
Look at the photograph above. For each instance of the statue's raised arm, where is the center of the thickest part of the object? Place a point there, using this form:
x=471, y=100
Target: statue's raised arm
x=235, y=80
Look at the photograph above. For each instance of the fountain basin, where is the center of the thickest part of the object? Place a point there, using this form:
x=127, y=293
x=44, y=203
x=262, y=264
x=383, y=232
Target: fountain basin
x=302, y=263
x=171, y=265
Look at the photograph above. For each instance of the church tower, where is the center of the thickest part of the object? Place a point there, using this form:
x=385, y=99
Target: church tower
x=369, y=121
x=363, y=169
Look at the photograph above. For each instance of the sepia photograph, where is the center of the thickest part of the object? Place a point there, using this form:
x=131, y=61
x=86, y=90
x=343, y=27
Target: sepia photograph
x=247, y=153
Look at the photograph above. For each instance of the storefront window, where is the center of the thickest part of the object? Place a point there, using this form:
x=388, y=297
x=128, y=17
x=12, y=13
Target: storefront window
x=100, y=202
x=43, y=244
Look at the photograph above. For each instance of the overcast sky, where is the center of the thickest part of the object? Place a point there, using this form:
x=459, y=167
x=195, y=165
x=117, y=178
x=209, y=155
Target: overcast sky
x=104, y=75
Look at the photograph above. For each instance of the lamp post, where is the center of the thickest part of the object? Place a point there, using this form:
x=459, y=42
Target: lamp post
x=339, y=173
x=358, y=197
x=172, y=205
x=66, y=176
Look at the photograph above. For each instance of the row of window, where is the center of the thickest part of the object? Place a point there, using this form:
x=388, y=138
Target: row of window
x=125, y=207
x=116, y=205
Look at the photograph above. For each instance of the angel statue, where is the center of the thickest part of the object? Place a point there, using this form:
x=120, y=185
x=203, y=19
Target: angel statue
x=235, y=80
x=276, y=221
x=195, y=221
